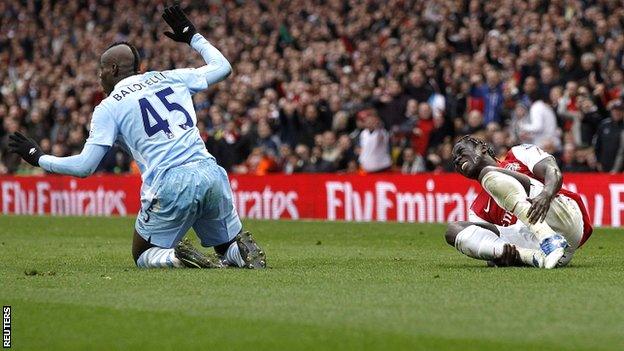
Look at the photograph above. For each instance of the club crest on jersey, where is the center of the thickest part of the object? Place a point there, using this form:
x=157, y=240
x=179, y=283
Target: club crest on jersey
x=514, y=166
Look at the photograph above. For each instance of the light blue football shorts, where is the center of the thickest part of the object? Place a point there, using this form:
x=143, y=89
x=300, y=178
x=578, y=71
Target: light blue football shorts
x=195, y=195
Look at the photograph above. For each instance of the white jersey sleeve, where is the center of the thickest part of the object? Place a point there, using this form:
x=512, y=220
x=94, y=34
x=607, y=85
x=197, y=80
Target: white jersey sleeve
x=529, y=154
x=81, y=165
x=217, y=67
x=103, y=130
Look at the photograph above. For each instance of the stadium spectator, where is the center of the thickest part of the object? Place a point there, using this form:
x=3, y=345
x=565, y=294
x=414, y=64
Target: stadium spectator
x=374, y=146
x=568, y=108
x=266, y=140
x=548, y=80
x=390, y=103
x=412, y=162
x=491, y=92
x=590, y=118
x=421, y=128
x=608, y=143
x=577, y=159
x=418, y=88
x=540, y=126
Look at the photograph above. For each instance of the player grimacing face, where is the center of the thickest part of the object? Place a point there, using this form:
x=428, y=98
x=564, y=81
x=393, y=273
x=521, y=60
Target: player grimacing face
x=468, y=159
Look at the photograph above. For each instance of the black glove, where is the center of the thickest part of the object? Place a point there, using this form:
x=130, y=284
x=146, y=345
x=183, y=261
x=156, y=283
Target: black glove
x=183, y=29
x=25, y=147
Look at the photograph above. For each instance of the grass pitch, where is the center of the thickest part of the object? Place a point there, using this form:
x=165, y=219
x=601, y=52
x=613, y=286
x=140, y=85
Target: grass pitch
x=73, y=286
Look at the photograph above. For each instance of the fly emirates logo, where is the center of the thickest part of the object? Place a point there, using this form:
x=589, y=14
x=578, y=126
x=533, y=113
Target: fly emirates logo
x=386, y=202
x=600, y=207
x=68, y=201
x=265, y=203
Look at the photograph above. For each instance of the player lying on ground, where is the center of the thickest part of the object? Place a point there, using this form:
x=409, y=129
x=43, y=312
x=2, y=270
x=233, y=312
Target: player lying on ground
x=152, y=116
x=522, y=215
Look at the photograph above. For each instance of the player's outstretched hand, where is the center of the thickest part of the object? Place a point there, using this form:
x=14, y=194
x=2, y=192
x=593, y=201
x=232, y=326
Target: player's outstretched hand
x=183, y=29
x=25, y=147
x=539, y=207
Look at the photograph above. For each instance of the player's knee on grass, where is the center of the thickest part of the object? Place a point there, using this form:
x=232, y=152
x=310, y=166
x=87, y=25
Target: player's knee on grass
x=139, y=245
x=452, y=230
x=136, y=254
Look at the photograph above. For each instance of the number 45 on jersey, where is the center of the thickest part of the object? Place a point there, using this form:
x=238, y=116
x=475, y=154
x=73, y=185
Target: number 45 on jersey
x=162, y=124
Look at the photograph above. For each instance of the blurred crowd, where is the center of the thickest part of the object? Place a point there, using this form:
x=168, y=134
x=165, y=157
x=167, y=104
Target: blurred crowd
x=337, y=86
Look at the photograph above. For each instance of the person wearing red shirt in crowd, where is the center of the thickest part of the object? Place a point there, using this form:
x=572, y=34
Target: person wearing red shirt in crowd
x=522, y=216
x=423, y=128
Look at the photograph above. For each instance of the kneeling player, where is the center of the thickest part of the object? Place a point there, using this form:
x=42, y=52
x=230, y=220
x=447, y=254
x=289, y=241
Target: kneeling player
x=152, y=116
x=522, y=216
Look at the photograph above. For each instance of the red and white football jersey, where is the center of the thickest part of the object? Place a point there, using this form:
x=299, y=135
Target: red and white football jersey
x=522, y=159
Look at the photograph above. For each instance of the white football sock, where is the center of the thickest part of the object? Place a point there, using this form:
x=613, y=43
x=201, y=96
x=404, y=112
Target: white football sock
x=480, y=243
x=483, y=244
x=156, y=257
x=510, y=195
x=233, y=256
x=531, y=257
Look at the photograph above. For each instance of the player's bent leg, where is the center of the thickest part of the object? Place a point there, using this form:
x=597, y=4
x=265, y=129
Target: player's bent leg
x=243, y=252
x=452, y=230
x=482, y=241
x=147, y=255
x=474, y=241
x=252, y=254
x=565, y=260
x=165, y=219
x=527, y=244
x=220, y=227
x=565, y=217
x=229, y=254
x=139, y=245
x=193, y=258
x=221, y=249
x=510, y=191
x=182, y=255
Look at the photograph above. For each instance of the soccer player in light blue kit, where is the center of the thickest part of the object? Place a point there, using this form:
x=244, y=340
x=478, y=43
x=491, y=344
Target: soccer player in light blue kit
x=152, y=116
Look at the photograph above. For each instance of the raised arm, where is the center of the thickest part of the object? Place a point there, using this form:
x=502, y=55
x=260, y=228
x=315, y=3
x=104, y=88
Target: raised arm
x=217, y=67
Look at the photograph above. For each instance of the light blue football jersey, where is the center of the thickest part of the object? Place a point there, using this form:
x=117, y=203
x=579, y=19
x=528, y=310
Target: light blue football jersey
x=153, y=117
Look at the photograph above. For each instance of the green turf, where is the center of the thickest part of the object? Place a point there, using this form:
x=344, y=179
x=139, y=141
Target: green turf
x=334, y=286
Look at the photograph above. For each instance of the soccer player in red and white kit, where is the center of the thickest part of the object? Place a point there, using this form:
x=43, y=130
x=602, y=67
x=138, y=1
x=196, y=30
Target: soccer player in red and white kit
x=522, y=216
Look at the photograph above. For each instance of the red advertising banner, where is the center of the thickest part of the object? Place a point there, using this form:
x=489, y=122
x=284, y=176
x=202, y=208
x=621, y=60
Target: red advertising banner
x=383, y=197
x=69, y=196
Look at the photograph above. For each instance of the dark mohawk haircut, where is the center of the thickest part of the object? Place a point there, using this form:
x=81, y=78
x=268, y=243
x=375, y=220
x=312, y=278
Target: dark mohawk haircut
x=475, y=142
x=135, y=52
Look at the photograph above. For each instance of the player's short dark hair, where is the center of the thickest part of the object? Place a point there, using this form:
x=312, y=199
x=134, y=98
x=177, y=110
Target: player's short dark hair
x=474, y=141
x=135, y=53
